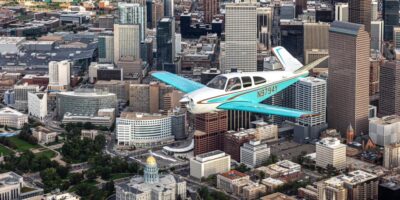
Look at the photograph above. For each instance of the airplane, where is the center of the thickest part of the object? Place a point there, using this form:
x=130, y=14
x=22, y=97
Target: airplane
x=243, y=91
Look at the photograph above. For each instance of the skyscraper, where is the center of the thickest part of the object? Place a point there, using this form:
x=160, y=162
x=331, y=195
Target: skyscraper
x=126, y=42
x=241, y=37
x=60, y=74
x=377, y=35
x=390, y=88
x=348, y=83
x=390, y=14
x=165, y=42
x=133, y=13
x=264, y=19
x=168, y=8
x=342, y=12
x=157, y=9
x=316, y=35
x=374, y=10
x=360, y=13
x=211, y=8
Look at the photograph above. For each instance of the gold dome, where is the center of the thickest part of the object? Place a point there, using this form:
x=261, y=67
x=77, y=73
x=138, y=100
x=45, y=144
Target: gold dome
x=151, y=161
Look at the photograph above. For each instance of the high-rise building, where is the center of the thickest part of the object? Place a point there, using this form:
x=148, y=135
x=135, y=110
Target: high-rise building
x=374, y=72
x=310, y=95
x=211, y=8
x=292, y=37
x=165, y=42
x=210, y=128
x=331, y=152
x=389, y=88
x=311, y=55
x=374, y=10
x=391, y=157
x=168, y=8
x=360, y=13
x=316, y=36
x=126, y=42
x=21, y=95
x=355, y=185
x=377, y=35
x=149, y=13
x=254, y=153
x=349, y=51
x=264, y=19
x=133, y=13
x=241, y=37
x=389, y=189
x=342, y=12
x=287, y=10
x=390, y=14
x=300, y=6
x=157, y=9
x=106, y=48
x=238, y=120
x=396, y=37
x=210, y=163
x=60, y=74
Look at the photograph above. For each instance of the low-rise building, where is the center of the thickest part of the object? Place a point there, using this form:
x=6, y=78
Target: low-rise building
x=13, y=187
x=210, y=163
x=12, y=118
x=105, y=117
x=277, y=196
x=253, y=191
x=61, y=196
x=44, y=135
x=254, y=153
x=331, y=152
x=309, y=192
x=271, y=184
x=91, y=134
x=225, y=181
x=37, y=104
x=355, y=185
x=391, y=156
x=284, y=169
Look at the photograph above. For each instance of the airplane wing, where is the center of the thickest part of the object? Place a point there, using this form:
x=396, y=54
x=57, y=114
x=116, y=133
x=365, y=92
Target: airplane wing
x=180, y=83
x=266, y=109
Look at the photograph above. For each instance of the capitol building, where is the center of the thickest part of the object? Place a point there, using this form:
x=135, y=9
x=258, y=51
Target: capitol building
x=151, y=186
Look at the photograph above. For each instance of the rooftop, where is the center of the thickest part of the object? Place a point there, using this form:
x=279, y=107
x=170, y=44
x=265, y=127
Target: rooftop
x=352, y=178
x=141, y=116
x=391, y=119
x=330, y=142
x=11, y=40
x=233, y=174
x=87, y=93
x=8, y=111
x=345, y=28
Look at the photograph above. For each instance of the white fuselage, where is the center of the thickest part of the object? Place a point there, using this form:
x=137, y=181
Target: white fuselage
x=207, y=99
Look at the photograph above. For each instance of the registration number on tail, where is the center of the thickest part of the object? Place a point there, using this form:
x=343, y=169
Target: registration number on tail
x=267, y=91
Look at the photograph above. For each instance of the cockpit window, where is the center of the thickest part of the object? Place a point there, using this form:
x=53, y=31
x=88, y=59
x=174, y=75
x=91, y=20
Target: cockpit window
x=217, y=83
x=234, y=84
x=259, y=80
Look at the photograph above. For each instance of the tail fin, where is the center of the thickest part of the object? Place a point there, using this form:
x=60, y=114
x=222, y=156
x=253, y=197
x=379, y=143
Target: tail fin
x=289, y=62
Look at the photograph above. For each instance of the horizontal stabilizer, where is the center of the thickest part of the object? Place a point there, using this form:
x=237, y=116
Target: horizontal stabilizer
x=178, y=82
x=266, y=109
x=311, y=65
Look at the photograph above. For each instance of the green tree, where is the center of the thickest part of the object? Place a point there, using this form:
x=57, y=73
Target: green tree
x=50, y=179
x=75, y=178
x=84, y=189
x=88, y=125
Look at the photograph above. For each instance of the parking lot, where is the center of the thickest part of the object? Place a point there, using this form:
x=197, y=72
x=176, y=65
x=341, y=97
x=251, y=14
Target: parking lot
x=288, y=150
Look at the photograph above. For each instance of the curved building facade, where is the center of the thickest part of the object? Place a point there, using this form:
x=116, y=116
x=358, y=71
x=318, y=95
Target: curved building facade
x=85, y=102
x=138, y=129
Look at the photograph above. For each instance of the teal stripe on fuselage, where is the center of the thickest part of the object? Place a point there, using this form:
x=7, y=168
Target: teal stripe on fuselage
x=259, y=94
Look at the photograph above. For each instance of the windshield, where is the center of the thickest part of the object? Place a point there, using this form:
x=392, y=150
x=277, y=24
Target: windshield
x=217, y=83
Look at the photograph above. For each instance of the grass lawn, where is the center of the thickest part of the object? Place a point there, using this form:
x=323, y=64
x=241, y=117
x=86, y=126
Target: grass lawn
x=118, y=176
x=48, y=153
x=21, y=144
x=91, y=183
x=5, y=151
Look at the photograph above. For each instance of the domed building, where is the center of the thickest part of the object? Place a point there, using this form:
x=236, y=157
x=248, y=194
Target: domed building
x=151, y=185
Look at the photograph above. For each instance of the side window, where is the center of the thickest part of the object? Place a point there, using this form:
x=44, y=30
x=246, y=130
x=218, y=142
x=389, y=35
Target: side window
x=234, y=84
x=259, y=80
x=246, y=80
